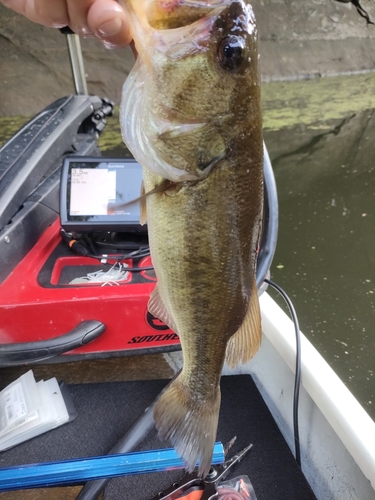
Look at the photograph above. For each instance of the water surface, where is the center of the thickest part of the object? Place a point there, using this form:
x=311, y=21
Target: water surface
x=324, y=159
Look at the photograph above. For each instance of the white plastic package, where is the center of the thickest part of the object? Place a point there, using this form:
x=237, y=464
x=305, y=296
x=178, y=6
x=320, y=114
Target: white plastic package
x=28, y=409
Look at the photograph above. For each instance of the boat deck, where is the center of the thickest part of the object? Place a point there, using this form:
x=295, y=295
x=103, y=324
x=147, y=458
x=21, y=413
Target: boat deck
x=110, y=396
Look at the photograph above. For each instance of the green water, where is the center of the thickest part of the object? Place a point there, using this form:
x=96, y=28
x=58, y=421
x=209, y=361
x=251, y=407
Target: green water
x=10, y=125
x=323, y=155
x=320, y=136
x=325, y=258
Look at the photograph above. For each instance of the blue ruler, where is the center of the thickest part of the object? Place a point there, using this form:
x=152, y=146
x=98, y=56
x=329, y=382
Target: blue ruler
x=85, y=469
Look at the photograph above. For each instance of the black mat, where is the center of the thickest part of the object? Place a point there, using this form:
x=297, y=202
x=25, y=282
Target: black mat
x=106, y=411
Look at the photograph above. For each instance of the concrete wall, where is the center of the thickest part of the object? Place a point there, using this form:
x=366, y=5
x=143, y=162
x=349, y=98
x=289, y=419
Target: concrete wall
x=307, y=38
x=298, y=39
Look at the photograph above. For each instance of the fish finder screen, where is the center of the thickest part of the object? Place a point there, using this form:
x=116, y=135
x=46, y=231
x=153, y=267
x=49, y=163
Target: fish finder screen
x=100, y=193
x=92, y=191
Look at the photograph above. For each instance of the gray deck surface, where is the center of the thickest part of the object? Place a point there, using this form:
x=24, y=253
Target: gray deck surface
x=107, y=410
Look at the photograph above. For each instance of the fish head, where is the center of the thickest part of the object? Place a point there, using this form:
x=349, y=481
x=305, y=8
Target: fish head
x=194, y=90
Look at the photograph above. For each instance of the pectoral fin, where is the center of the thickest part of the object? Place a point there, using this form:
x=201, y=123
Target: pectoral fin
x=244, y=344
x=163, y=187
x=142, y=204
x=157, y=308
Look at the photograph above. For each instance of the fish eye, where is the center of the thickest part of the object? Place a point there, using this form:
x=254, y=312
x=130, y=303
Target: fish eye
x=231, y=52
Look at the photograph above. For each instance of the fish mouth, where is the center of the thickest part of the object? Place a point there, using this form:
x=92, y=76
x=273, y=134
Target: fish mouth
x=174, y=14
x=175, y=28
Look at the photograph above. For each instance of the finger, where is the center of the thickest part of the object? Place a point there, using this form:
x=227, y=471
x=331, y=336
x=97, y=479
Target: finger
x=109, y=23
x=16, y=5
x=47, y=12
x=78, y=11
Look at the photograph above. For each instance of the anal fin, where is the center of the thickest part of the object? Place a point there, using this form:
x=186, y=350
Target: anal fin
x=157, y=308
x=244, y=344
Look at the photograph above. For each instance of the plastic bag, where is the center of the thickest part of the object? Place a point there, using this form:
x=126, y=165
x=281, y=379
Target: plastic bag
x=239, y=488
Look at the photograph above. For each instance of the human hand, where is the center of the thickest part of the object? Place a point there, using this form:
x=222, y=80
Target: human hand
x=104, y=19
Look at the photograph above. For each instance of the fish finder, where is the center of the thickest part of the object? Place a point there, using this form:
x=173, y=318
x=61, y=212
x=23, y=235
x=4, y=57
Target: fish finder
x=95, y=194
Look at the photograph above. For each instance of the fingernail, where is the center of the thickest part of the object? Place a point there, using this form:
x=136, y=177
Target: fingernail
x=110, y=28
x=82, y=30
x=109, y=45
x=85, y=31
x=58, y=25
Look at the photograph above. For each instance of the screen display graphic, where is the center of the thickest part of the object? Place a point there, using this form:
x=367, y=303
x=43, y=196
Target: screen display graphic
x=92, y=191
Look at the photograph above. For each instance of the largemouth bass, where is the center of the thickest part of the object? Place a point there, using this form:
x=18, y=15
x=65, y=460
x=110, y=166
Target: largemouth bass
x=191, y=116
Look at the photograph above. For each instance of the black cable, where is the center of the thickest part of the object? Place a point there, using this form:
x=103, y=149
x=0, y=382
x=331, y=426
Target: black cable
x=138, y=269
x=90, y=243
x=297, y=380
x=110, y=256
x=119, y=245
x=80, y=249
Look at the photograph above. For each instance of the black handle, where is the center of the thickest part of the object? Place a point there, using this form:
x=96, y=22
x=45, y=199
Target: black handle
x=66, y=31
x=33, y=352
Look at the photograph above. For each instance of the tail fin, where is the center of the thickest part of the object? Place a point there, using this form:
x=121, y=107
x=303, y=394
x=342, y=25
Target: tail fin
x=190, y=423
